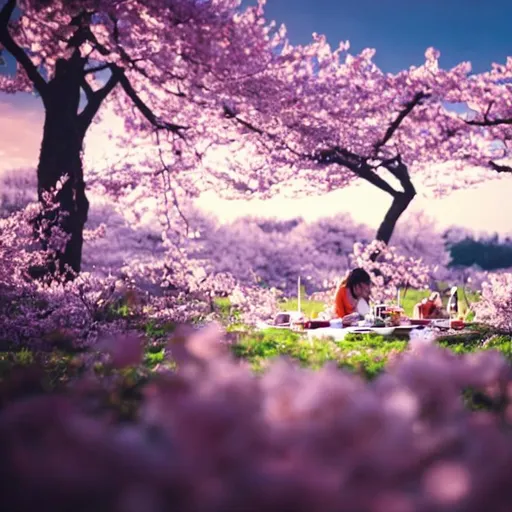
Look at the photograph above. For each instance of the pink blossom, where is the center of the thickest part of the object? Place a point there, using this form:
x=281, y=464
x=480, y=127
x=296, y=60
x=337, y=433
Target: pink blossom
x=124, y=350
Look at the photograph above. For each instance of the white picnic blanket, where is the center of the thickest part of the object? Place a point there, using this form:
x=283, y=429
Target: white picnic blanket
x=340, y=334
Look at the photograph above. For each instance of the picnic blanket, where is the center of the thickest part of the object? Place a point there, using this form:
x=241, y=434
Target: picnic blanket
x=340, y=334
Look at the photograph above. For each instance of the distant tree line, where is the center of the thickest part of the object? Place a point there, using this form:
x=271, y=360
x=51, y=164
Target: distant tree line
x=488, y=252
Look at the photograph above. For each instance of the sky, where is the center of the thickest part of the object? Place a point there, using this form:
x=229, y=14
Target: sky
x=400, y=30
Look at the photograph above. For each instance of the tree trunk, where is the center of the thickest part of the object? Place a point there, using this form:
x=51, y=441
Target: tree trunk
x=400, y=203
x=61, y=156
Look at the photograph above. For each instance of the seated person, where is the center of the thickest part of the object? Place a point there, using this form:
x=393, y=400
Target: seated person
x=429, y=308
x=354, y=288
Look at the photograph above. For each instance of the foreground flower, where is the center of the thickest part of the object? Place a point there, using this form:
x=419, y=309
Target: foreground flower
x=213, y=436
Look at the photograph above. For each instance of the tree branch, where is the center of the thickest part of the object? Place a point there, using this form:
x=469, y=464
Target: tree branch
x=500, y=168
x=352, y=161
x=489, y=122
x=97, y=68
x=229, y=113
x=133, y=62
x=365, y=171
x=348, y=158
x=142, y=107
x=17, y=52
x=400, y=171
x=87, y=89
x=165, y=168
x=336, y=155
x=488, y=111
x=357, y=165
x=408, y=107
x=95, y=99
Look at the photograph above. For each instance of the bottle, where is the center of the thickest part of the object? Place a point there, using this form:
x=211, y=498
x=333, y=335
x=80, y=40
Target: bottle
x=452, y=308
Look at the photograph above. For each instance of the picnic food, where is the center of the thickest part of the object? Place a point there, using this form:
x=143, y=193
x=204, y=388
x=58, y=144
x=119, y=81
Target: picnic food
x=378, y=322
x=351, y=319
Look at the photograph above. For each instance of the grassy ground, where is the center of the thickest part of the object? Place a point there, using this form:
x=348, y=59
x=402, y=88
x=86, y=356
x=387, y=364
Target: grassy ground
x=24, y=372
x=309, y=307
x=366, y=353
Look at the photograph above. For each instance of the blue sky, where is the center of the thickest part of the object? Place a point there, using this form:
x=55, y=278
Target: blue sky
x=401, y=30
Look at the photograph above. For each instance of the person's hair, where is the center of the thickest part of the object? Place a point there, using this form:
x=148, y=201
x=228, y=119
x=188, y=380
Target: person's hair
x=356, y=276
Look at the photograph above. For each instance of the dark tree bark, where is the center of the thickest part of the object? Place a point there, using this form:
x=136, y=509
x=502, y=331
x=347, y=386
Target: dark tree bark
x=61, y=155
x=61, y=147
x=398, y=206
x=360, y=167
x=400, y=203
x=65, y=128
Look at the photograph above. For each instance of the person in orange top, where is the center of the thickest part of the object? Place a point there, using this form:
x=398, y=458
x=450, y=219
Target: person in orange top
x=356, y=286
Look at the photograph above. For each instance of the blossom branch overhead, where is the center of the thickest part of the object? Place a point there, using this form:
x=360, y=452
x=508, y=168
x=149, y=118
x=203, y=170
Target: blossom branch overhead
x=17, y=52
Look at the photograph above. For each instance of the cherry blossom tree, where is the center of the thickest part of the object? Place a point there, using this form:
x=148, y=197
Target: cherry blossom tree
x=169, y=60
x=200, y=77
x=329, y=118
x=488, y=97
x=494, y=307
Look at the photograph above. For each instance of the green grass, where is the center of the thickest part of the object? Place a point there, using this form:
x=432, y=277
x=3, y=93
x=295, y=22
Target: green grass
x=308, y=307
x=154, y=331
x=24, y=372
x=228, y=315
x=366, y=354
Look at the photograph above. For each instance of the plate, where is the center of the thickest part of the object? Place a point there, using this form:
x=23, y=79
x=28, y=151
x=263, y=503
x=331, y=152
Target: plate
x=385, y=331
